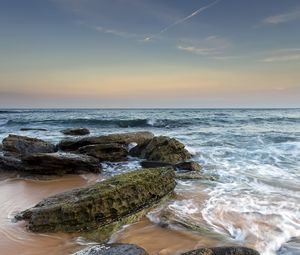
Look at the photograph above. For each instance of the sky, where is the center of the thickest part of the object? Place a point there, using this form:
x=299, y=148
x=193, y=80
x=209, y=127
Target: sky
x=149, y=53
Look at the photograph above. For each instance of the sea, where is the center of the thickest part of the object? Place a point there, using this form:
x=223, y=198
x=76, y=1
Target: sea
x=253, y=154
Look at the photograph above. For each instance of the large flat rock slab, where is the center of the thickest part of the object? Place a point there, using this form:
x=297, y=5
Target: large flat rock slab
x=102, y=204
x=59, y=164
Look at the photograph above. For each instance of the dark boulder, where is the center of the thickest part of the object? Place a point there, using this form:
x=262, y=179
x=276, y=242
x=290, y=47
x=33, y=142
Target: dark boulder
x=112, y=152
x=161, y=148
x=124, y=139
x=103, y=207
x=223, y=251
x=113, y=249
x=188, y=166
x=23, y=145
x=76, y=131
x=59, y=164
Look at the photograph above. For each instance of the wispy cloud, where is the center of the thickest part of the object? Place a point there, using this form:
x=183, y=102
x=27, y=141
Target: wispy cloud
x=199, y=51
x=197, y=12
x=282, y=18
x=213, y=47
x=283, y=55
x=119, y=33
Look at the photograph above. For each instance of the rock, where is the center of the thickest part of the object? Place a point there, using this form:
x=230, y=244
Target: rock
x=124, y=138
x=101, y=209
x=8, y=163
x=76, y=131
x=223, y=251
x=1, y=147
x=59, y=164
x=16, y=145
x=189, y=166
x=161, y=148
x=113, y=249
x=154, y=164
x=112, y=152
x=33, y=129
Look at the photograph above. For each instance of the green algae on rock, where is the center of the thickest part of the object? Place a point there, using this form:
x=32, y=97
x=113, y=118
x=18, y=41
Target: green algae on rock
x=161, y=148
x=101, y=207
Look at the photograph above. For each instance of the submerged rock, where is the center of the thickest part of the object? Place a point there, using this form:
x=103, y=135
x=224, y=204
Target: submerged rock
x=113, y=249
x=223, y=251
x=124, y=138
x=76, y=131
x=23, y=145
x=106, y=152
x=188, y=166
x=104, y=207
x=161, y=148
x=59, y=164
x=33, y=129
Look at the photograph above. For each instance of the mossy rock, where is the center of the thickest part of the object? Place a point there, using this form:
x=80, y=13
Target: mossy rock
x=162, y=148
x=102, y=207
x=112, y=152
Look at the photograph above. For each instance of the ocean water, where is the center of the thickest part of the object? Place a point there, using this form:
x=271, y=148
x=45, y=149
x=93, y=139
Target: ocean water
x=254, y=153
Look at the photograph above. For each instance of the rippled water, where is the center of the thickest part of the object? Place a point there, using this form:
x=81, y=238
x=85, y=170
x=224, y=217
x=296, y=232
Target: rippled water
x=255, y=154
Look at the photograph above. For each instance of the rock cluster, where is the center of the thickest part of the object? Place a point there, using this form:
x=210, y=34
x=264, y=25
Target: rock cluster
x=101, y=209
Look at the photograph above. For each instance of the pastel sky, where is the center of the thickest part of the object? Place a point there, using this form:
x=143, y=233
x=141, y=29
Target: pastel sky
x=150, y=53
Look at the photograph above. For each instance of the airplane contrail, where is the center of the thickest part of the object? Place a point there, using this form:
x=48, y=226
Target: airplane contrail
x=182, y=20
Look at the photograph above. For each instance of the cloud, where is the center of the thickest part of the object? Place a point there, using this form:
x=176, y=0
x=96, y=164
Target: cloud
x=117, y=32
x=282, y=18
x=197, y=12
x=213, y=47
x=198, y=51
x=283, y=55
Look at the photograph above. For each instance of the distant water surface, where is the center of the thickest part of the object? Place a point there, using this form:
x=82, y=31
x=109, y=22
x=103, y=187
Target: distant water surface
x=253, y=152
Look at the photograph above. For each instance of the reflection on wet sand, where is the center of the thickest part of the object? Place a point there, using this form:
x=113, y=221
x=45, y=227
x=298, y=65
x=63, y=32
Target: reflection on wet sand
x=163, y=241
x=18, y=194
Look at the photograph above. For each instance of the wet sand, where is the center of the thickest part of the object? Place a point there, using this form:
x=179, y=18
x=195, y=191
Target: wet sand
x=19, y=194
x=163, y=241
